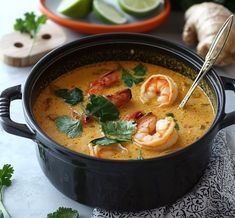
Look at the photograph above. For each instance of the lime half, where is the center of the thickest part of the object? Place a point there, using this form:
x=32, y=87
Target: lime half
x=139, y=7
x=75, y=8
x=108, y=13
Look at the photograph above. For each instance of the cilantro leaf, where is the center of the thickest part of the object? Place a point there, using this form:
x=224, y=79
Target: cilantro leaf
x=170, y=115
x=71, y=97
x=139, y=157
x=140, y=70
x=5, y=175
x=5, y=181
x=20, y=26
x=120, y=130
x=102, y=108
x=130, y=80
x=30, y=24
x=138, y=80
x=72, y=128
x=104, y=141
x=64, y=213
x=41, y=19
x=177, y=127
x=127, y=78
x=115, y=132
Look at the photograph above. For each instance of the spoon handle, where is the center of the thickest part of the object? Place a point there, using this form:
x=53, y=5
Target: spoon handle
x=211, y=57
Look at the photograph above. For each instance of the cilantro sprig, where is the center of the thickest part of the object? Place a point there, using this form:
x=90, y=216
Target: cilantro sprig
x=104, y=141
x=98, y=107
x=140, y=70
x=121, y=130
x=115, y=132
x=101, y=108
x=5, y=181
x=134, y=78
x=72, y=97
x=129, y=79
x=30, y=24
x=72, y=128
x=63, y=212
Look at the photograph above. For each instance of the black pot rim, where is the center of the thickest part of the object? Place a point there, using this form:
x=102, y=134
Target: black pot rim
x=60, y=149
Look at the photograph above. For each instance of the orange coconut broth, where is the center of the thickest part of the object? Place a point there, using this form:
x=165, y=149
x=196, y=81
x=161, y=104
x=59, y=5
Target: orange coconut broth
x=193, y=121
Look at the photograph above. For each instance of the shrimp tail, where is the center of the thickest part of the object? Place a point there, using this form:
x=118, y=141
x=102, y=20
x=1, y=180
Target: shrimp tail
x=134, y=116
x=106, y=80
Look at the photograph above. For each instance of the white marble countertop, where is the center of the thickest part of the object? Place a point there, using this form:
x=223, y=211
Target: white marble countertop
x=31, y=194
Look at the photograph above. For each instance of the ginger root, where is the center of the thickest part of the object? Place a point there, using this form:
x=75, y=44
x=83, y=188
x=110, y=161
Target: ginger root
x=203, y=21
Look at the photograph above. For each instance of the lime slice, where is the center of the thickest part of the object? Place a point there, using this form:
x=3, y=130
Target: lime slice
x=75, y=8
x=139, y=7
x=108, y=13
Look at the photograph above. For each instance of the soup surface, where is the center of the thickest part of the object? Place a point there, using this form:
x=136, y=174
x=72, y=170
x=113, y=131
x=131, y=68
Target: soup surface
x=62, y=113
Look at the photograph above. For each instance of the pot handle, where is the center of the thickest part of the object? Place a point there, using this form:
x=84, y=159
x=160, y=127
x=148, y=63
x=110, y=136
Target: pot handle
x=8, y=125
x=229, y=119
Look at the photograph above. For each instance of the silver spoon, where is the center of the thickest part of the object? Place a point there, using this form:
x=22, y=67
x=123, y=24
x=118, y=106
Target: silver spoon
x=211, y=56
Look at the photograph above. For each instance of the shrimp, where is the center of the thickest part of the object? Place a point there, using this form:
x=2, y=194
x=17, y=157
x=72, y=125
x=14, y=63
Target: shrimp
x=155, y=134
x=106, y=80
x=120, y=98
x=161, y=87
x=134, y=116
x=84, y=118
x=106, y=150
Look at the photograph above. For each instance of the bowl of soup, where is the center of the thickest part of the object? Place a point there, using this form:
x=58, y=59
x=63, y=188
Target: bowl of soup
x=103, y=112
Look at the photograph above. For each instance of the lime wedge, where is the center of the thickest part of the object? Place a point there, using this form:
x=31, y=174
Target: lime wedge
x=75, y=8
x=139, y=7
x=108, y=13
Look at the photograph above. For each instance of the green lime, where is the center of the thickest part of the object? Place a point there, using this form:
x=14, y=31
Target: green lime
x=108, y=13
x=139, y=7
x=75, y=8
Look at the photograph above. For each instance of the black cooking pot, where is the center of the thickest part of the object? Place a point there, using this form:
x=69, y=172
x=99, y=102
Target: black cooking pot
x=118, y=184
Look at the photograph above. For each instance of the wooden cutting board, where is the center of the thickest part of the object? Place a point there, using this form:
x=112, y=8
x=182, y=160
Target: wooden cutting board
x=15, y=47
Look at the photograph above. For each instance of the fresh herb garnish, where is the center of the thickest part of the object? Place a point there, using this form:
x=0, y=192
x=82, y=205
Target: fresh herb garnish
x=115, y=132
x=104, y=141
x=129, y=79
x=102, y=108
x=120, y=130
x=64, y=213
x=5, y=181
x=140, y=156
x=72, y=128
x=1, y=214
x=170, y=115
x=177, y=127
x=30, y=24
x=140, y=70
x=71, y=97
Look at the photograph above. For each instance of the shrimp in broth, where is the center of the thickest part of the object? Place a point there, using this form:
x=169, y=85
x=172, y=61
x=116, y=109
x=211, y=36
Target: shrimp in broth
x=114, y=110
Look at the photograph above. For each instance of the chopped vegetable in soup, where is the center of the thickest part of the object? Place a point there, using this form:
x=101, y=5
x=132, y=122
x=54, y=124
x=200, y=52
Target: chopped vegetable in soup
x=122, y=110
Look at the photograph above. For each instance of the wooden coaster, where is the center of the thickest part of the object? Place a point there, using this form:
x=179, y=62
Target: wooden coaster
x=15, y=47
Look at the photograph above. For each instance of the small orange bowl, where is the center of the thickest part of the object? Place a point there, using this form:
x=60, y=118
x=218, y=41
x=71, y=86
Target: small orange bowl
x=93, y=28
